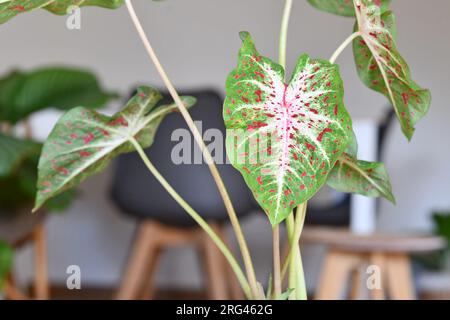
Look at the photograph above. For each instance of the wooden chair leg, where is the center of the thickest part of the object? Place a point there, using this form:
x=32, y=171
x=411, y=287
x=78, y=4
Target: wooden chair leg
x=234, y=286
x=148, y=291
x=42, y=291
x=11, y=291
x=143, y=250
x=400, y=277
x=334, y=275
x=356, y=281
x=215, y=268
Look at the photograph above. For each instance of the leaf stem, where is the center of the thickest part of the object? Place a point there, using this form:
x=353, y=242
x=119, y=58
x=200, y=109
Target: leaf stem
x=276, y=261
x=344, y=45
x=203, y=224
x=283, y=33
x=198, y=138
x=296, y=275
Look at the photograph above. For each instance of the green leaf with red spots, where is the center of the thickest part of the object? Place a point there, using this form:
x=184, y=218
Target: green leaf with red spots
x=382, y=68
x=284, y=138
x=12, y=8
x=344, y=7
x=22, y=93
x=356, y=176
x=83, y=141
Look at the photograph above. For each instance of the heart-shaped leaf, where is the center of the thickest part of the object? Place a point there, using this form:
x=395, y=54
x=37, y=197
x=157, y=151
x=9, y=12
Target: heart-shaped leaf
x=14, y=151
x=6, y=259
x=382, y=68
x=284, y=138
x=84, y=141
x=344, y=7
x=64, y=88
x=356, y=176
x=12, y=8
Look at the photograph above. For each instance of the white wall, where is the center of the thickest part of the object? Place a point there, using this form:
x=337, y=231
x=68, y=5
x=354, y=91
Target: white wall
x=198, y=41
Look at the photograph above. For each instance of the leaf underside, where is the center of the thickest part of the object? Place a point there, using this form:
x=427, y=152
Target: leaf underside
x=284, y=138
x=83, y=141
x=344, y=7
x=10, y=9
x=362, y=177
x=382, y=68
x=22, y=93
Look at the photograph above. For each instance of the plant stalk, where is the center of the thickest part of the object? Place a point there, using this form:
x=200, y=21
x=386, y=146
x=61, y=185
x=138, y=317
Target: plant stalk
x=276, y=262
x=208, y=158
x=344, y=45
x=203, y=224
x=296, y=275
x=283, y=33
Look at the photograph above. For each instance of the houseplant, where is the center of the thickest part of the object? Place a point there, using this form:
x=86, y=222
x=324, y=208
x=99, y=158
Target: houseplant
x=22, y=94
x=301, y=130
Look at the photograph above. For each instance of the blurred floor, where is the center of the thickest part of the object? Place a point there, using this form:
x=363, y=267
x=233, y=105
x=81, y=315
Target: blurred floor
x=97, y=293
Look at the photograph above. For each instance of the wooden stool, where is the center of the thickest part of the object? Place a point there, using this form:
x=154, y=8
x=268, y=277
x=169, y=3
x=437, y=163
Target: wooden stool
x=348, y=253
x=152, y=238
x=20, y=230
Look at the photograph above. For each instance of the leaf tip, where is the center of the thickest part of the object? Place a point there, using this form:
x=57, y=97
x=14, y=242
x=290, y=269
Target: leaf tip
x=244, y=35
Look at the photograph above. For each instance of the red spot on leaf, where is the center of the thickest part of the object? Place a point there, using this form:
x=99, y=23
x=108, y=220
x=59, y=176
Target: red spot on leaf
x=18, y=8
x=259, y=180
x=310, y=146
x=259, y=74
x=88, y=138
x=320, y=136
x=405, y=97
x=119, y=121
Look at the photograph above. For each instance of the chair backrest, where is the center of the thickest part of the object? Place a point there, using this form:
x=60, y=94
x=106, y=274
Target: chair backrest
x=139, y=194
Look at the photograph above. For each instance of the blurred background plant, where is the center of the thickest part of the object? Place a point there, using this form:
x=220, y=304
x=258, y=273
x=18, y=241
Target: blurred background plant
x=22, y=94
x=438, y=260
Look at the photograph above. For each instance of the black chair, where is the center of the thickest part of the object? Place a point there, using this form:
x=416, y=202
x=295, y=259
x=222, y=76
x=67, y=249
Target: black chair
x=162, y=221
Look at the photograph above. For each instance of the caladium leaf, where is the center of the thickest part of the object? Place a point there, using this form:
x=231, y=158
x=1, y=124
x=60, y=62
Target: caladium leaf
x=83, y=141
x=284, y=138
x=356, y=176
x=382, y=68
x=13, y=151
x=344, y=7
x=22, y=93
x=12, y=8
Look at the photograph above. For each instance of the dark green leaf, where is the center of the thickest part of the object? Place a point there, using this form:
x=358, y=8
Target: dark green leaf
x=13, y=152
x=84, y=141
x=18, y=190
x=6, y=260
x=356, y=176
x=63, y=88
